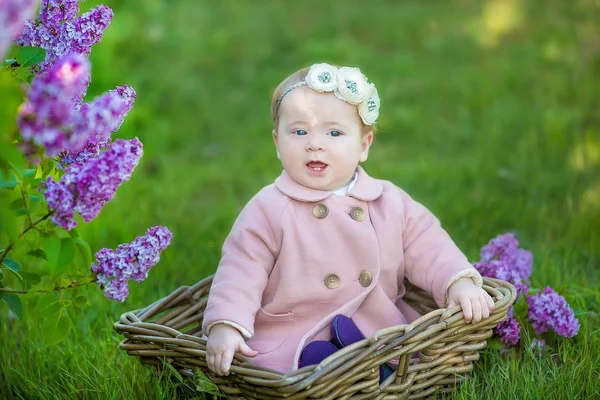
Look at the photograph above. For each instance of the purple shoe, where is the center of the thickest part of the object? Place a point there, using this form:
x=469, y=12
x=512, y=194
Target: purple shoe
x=315, y=352
x=344, y=332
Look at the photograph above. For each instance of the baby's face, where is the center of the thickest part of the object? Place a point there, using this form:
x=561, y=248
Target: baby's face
x=319, y=139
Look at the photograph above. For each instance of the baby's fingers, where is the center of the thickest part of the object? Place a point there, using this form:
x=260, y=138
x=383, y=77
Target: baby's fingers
x=210, y=362
x=476, y=310
x=467, y=309
x=485, y=310
x=489, y=301
x=226, y=359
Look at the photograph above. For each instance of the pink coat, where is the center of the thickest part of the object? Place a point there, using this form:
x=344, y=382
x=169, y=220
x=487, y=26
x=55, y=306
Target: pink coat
x=296, y=257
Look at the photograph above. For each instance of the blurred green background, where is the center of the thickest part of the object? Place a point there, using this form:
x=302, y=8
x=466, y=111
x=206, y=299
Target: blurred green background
x=489, y=117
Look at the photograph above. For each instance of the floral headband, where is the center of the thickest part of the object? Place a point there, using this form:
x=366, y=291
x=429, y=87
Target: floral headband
x=347, y=83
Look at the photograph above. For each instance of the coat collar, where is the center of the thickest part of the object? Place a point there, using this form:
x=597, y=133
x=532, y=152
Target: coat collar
x=366, y=189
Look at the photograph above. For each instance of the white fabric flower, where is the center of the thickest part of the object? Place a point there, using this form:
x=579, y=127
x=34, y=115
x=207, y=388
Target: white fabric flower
x=369, y=109
x=322, y=77
x=352, y=85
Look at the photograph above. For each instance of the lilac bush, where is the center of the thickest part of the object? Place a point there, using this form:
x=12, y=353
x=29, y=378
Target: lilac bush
x=70, y=157
x=502, y=259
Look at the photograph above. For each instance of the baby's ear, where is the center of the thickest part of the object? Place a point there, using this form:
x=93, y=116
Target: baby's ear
x=366, y=141
x=276, y=141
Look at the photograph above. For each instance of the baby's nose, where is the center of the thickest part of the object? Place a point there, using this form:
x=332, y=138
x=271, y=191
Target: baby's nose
x=314, y=144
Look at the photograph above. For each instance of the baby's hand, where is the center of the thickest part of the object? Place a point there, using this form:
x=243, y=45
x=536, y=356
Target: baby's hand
x=223, y=342
x=476, y=303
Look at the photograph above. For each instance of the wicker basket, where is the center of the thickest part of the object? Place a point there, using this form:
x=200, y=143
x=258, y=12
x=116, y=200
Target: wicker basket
x=434, y=353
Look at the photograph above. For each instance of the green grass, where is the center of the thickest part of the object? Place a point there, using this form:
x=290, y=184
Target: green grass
x=494, y=132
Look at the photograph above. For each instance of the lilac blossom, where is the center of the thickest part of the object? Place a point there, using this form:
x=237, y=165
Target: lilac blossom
x=13, y=14
x=105, y=114
x=549, y=310
x=501, y=258
x=99, y=119
x=60, y=200
x=499, y=247
x=54, y=117
x=130, y=261
x=509, y=330
x=59, y=31
x=501, y=269
x=91, y=149
x=46, y=118
x=86, y=188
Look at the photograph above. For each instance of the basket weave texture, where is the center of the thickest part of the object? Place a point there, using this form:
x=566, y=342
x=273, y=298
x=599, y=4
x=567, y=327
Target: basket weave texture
x=433, y=354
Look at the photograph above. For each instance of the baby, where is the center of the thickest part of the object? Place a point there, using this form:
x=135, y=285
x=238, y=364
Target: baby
x=326, y=238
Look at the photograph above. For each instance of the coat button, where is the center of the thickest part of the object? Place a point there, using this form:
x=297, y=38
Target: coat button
x=332, y=281
x=320, y=211
x=365, y=278
x=357, y=214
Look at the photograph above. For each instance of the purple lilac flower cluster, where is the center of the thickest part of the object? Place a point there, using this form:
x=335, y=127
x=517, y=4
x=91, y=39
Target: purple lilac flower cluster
x=59, y=31
x=129, y=261
x=549, y=310
x=46, y=118
x=509, y=330
x=502, y=259
x=54, y=117
x=13, y=14
x=85, y=188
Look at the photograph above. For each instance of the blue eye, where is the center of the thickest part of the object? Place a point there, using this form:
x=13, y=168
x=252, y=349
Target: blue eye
x=300, y=132
x=335, y=133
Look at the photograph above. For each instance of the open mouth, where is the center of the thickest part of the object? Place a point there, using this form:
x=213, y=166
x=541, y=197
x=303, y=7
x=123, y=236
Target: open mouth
x=316, y=166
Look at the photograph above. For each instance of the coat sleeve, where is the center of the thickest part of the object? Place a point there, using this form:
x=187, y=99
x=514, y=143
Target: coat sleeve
x=432, y=261
x=248, y=256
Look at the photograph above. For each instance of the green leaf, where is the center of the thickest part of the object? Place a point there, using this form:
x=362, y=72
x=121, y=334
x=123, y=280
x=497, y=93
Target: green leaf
x=73, y=233
x=11, y=264
x=80, y=301
x=8, y=181
x=28, y=172
x=14, y=302
x=9, y=224
x=11, y=62
x=67, y=254
x=28, y=56
x=30, y=277
x=1, y=275
x=35, y=198
x=39, y=253
x=52, y=248
x=23, y=74
x=23, y=211
x=56, y=329
x=15, y=205
x=85, y=251
x=47, y=305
